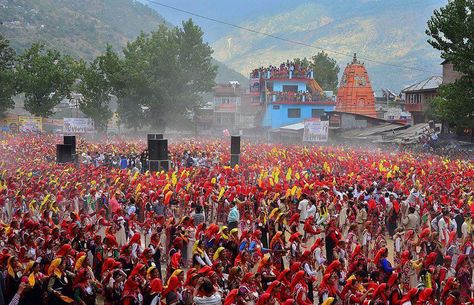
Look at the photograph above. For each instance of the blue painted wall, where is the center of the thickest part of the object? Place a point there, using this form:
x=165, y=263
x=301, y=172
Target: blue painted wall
x=278, y=85
x=276, y=118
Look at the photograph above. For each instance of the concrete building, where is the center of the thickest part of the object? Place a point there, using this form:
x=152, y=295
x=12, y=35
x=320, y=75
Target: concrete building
x=450, y=75
x=230, y=107
x=288, y=95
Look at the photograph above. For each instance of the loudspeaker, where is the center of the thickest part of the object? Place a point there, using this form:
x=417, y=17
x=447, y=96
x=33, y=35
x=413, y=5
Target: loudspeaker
x=158, y=166
x=158, y=149
x=155, y=136
x=71, y=140
x=154, y=166
x=165, y=165
x=63, y=153
x=234, y=145
x=234, y=160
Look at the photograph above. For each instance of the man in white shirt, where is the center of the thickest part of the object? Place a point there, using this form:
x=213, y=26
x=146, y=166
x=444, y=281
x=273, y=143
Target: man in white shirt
x=445, y=225
x=205, y=294
x=303, y=208
x=311, y=211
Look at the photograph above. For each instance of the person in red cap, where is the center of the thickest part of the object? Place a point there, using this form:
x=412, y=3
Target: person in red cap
x=464, y=276
x=299, y=289
x=328, y=287
x=295, y=250
x=332, y=238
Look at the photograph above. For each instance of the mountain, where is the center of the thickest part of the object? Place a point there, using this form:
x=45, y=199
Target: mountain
x=82, y=28
x=383, y=33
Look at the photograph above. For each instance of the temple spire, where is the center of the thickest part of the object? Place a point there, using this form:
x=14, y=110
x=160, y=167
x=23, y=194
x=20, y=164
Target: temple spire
x=355, y=94
x=354, y=59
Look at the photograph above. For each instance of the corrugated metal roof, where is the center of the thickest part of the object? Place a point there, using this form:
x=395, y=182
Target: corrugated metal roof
x=297, y=126
x=430, y=83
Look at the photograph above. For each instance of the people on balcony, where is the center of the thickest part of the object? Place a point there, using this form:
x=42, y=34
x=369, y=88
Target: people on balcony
x=301, y=96
x=287, y=69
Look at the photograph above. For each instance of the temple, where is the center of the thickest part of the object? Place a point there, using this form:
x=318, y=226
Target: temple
x=355, y=94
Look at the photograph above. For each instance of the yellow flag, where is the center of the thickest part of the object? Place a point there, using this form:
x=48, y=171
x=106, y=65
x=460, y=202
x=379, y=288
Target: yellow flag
x=31, y=279
x=174, y=179
x=293, y=190
x=288, y=174
x=221, y=193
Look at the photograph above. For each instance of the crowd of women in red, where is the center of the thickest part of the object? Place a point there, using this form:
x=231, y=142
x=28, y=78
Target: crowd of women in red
x=291, y=225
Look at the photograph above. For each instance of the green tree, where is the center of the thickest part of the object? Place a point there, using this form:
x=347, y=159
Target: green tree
x=97, y=89
x=325, y=71
x=45, y=77
x=455, y=104
x=164, y=73
x=451, y=31
x=7, y=80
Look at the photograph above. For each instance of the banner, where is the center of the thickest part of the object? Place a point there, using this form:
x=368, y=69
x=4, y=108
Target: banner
x=9, y=123
x=78, y=125
x=316, y=131
x=30, y=124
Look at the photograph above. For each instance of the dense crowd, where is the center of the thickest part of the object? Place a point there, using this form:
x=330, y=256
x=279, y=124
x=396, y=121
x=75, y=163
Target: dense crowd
x=291, y=225
x=283, y=71
x=300, y=96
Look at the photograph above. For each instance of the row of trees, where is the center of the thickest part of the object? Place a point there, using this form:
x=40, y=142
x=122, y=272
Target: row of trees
x=158, y=79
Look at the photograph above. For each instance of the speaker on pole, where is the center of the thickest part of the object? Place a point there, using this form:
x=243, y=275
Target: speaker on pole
x=154, y=165
x=234, y=160
x=64, y=153
x=159, y=165
x=71, y=140
x=165, y=165
x=155, y=136
x=158, y=149
x=163, y=150
x=235, y=145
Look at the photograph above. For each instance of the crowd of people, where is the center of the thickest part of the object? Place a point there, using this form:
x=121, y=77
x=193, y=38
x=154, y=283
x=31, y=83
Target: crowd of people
x=283, y=71
x=291, y=225
x=289, y=96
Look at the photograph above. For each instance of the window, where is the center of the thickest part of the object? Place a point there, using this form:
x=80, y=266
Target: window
x=294, y=113
x=276, y=107
x=317, y=113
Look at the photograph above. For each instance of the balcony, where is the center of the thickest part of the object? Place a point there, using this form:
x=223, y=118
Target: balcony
x=281, y=74
x=415, y=107
x=226, y=108
x=298, y=98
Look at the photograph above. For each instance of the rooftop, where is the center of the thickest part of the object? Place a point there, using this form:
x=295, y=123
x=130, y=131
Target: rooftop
x=430, y=83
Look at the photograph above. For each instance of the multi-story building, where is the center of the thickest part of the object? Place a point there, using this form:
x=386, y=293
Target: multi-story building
x=231, y=107
x=288, y=95
x=418, y=95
